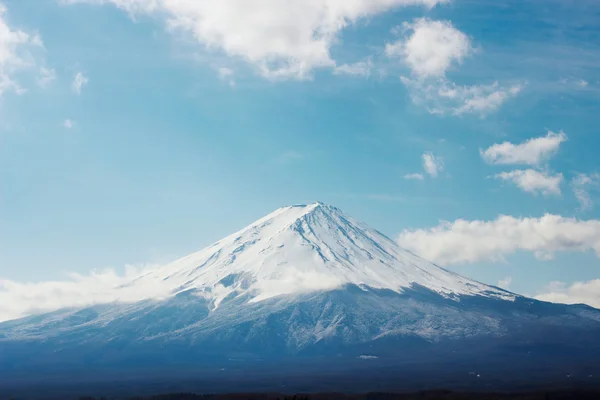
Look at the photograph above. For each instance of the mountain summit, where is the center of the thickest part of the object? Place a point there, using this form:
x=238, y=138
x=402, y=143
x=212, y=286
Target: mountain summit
x=301, y=249
x=306, y=282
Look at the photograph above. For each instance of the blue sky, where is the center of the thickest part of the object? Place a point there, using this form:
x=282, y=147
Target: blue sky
x=136, y=132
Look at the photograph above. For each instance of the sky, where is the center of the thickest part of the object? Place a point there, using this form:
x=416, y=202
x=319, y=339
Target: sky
x=135, y=132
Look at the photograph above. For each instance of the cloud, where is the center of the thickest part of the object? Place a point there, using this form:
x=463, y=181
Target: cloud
x=532, y=152
x=575, y=83
x=431, y=48
x=577, y=293
x=416, y=176
x=533, y=181
x=79, y=82
x=477, y=99
x=20, y=299
x=432, y=164
x=361, y=68
x=581, y=185
x=281, y=39
x=226, y=74
x=69, y=123
x=465, y=241
x=294, y=281
x=443, y=97
x=46, y=77
x=16, y=54
x=505, y=283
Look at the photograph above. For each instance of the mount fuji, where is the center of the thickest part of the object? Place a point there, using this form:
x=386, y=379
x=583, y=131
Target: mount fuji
x=306, y=288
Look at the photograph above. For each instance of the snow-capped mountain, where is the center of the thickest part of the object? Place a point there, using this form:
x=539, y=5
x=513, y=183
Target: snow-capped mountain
x=301, y=249
x=304, y=280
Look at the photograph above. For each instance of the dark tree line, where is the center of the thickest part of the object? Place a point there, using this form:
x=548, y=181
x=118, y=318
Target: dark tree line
x=433, y=395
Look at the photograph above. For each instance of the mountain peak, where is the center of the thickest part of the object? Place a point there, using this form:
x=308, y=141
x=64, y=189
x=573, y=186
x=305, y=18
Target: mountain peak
x=312, y=206
x=288, y=215
x=305, y=248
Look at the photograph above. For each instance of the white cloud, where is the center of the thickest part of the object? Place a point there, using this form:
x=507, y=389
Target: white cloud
x=69, y=123
x=533, y=181
x=361, y=68
x=226, y=74
x=79, y=82
x=431, y=48
x=45, y=77
x=581, y=185
x=16, y=55
x=479, y=99
x=442, y=96
x=505, y=283
x=465, y=241
x=20, y=299
x=432, y=164
x=282, y=39
x=416, y=176
x=577, y=293
x=532, y=152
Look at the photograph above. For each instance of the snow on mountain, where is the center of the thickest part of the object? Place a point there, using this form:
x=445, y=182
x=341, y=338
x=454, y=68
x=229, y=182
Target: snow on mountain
x=300, y=249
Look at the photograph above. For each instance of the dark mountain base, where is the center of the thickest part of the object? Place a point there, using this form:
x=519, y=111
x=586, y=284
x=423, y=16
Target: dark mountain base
x=428, y=395
x=555, y=380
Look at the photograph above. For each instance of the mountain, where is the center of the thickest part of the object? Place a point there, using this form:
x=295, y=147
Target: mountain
x=306, y=288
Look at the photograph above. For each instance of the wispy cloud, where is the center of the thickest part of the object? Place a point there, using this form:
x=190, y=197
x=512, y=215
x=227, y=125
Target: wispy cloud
x=416, y=176
x=361, y=68
x=79, y=81
x=505, y=282
x=582, y=184
x=45, y=77
x=432, y=165
x=69, y=123
x=575, y=83
x=444, y=97
x=16, y=53
x=226, y=74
